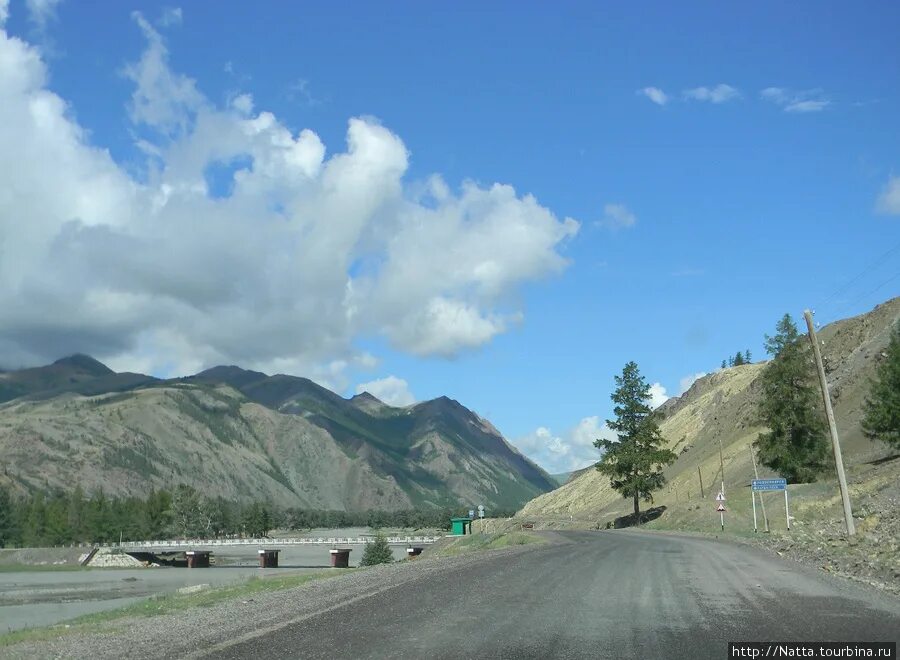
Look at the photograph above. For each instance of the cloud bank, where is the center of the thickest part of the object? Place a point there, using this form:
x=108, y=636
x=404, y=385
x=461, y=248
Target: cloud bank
x=242, y=241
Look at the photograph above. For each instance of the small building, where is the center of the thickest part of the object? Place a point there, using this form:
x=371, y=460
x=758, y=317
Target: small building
x=460, y=526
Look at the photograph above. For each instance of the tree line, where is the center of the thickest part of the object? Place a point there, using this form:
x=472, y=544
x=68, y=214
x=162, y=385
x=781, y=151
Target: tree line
x=62, y=518
x=796, y=444
x=737, y=359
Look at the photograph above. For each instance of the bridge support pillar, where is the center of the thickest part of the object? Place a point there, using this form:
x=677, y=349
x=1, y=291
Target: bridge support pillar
x=340, y=557
x=268, y=558
x=197, y=558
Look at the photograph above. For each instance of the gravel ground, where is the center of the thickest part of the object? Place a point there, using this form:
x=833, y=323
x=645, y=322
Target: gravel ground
x=873, y=557
x=200, y=628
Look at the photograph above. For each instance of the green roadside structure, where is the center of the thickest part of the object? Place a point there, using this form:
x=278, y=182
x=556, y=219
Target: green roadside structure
x=460, y=526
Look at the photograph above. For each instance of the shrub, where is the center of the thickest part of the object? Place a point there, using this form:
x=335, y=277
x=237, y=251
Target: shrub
x=377, y=552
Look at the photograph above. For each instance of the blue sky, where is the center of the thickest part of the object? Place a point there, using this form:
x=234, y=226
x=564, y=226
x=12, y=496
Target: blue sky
x=676, y=178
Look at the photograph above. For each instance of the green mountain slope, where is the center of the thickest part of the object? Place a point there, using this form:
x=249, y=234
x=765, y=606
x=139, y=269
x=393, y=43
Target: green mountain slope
x=241, y=434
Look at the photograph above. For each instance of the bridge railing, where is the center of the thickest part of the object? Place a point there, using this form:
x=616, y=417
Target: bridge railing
x=190, y=543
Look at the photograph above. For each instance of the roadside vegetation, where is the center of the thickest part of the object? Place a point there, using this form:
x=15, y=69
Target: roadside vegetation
x=459, y=545
x=377, y=551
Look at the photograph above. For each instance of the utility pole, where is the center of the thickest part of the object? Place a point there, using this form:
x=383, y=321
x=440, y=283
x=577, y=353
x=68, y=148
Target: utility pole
x=832, y=427
x=756, y=472
x=700, y=474
x=722, y=465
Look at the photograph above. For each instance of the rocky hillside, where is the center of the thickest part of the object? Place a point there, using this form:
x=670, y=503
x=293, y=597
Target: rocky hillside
x=721, y=407
x=242, y=434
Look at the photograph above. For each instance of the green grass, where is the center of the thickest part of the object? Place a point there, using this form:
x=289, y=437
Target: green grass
x=479, y=542
x=165, y=604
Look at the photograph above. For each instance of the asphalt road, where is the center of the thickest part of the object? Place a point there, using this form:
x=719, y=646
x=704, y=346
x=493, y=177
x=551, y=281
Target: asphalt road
x=596, y=595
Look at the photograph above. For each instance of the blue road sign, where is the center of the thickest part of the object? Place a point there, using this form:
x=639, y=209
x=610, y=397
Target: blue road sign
x=768, y=484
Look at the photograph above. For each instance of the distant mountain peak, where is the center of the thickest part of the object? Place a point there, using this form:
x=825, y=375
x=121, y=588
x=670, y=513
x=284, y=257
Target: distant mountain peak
x=369, y=403
x=231, y=374
x=84, y=363
x=367, y=396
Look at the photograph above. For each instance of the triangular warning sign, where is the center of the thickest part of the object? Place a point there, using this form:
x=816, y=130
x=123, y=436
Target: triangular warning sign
x=721, y=507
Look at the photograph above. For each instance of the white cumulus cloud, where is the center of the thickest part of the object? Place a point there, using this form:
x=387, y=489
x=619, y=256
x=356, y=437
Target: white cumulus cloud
x=242, y=242
x=685, y=383
x=658, y=395
x=655, y=94
x=617, y=216
x=572, y=450
x=171, y=16
x=889, y=200
x=718, y=94
x=796, y=101
x=41, y=12
x=391, y=390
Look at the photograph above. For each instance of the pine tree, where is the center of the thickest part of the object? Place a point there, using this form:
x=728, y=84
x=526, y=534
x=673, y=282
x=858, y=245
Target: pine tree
x=377, y=551
x=634, y=461
x=724, y=365
x=738, y=359
x=795, y=445
x=882, y=405
x=731, y=361
x=747, y=358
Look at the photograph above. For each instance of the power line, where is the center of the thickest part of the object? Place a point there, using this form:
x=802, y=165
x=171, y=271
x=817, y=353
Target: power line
x=865, y=270
x=850, y=303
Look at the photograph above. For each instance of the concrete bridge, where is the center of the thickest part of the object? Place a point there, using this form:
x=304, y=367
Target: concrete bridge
x=212, y=544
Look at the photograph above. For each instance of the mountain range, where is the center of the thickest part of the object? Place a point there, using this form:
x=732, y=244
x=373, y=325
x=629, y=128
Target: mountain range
x=243, y=435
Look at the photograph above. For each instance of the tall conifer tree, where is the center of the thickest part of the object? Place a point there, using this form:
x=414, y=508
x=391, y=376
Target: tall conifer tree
x=635, y=460
x=882, y=405
x=795, y=445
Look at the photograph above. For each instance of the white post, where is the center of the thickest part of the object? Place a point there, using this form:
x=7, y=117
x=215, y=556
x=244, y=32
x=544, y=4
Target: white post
x=787, y=511
x=722, y=519
x=753, y=497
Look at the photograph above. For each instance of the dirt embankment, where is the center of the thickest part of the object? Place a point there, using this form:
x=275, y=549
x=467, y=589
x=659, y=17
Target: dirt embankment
x=43, y=556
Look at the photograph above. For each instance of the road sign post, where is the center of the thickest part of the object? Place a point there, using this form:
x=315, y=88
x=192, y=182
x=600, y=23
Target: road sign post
x=753, y=497
x=761, y=485
x=720, y=507
x=787, y=511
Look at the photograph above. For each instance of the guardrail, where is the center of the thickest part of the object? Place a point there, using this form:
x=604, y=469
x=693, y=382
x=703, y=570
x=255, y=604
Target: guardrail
x=194, y=543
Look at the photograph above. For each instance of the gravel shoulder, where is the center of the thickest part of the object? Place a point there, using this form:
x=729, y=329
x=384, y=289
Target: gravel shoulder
x=200, y=629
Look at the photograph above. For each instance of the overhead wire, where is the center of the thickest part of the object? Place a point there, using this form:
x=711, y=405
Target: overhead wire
x=856, y=278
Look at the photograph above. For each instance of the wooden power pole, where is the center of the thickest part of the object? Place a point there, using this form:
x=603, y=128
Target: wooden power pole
x=722, y=465
x=832, y=427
